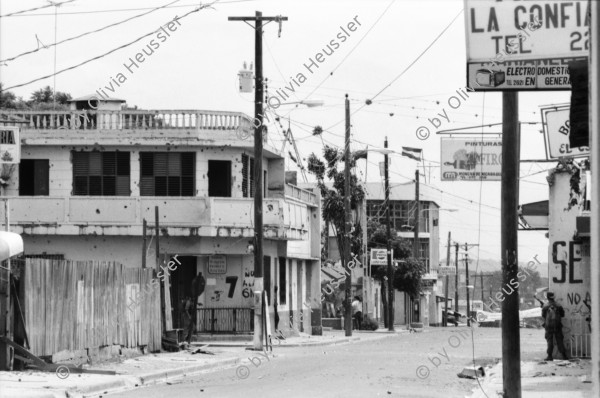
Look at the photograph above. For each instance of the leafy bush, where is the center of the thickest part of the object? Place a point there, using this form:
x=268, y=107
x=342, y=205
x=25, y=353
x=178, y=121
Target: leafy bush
x=369, y=324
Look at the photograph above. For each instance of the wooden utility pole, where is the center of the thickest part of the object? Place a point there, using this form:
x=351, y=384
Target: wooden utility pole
x=258, y=170
x=390, y=268
x=456, y=278
x=467, y=282
x=481, y=280
x=594, y=95
x=348, y=224
x=157, y=227
x=417, y=211
x=511, y=346
x=144, y=244
x=445, y=318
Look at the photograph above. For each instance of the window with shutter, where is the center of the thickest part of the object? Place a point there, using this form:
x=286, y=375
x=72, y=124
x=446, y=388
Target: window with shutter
x=244, y=175
x=251, y=175
x=167, y=173
x=101, y=173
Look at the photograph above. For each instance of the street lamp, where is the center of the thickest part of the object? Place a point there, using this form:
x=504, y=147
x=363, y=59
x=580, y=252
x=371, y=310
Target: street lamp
x=288, y=134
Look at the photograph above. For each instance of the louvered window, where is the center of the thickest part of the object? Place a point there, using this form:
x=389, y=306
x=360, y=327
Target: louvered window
x=167, y=173
x=245, y=175
x=101, y=173
x=251, y=175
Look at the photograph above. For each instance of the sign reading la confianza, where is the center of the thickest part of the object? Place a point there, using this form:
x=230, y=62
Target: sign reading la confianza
x=524, y=45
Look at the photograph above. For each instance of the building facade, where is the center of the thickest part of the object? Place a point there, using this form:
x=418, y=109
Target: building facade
x=428, y=308
x=569, y=266
x=93, y=177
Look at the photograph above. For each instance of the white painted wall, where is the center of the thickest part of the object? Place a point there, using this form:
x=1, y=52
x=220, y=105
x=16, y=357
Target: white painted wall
x=568, y=266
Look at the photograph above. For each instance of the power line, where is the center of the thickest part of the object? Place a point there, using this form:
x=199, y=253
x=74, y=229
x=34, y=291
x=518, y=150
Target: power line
x=352, y=50
x=123, y=9
x=37, y=8
x=407, y=68
x=87, y=33
x=107, y=53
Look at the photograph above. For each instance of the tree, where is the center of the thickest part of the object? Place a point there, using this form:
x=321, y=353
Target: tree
x=529, y=281
x=407, y=276
x=333, y=198
x=44, y=97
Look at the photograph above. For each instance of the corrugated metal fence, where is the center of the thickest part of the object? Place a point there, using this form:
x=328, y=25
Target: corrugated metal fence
x=74, y=305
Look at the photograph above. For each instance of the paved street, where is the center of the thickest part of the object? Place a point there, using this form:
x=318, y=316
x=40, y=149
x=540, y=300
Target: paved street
x=382, y=367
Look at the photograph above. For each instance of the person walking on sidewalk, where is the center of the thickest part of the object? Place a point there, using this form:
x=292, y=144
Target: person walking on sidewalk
x=553, y=312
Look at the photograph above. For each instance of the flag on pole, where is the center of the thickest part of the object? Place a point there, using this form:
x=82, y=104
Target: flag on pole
x=413, y=153
x=360, y=154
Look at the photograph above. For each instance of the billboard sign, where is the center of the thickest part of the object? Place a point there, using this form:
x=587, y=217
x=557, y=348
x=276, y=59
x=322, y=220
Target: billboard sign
x=443, y=270
x=379, y=256
x=516, y=45
x=10, y=145
x=466, y=159
x=555, y=120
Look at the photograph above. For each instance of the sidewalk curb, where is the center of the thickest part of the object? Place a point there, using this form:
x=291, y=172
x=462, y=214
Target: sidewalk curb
x=307, y=344
x=17, y=392
x=123, y=382
x=165, y=375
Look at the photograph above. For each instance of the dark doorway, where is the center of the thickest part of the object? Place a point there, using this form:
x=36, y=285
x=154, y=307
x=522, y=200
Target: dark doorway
x=181, y=287
x=34, y=177
x=219, y=178
x=416, y=305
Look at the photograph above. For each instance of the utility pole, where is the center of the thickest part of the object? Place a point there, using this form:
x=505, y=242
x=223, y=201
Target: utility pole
x=511, y=343
x=390, y=268
x=456, y=278
x=144, y=244
x=594, y=95
x=481, y=280
x=445, y=319
x=417, y=211
x=258, y=170
x=348, y=222
x=467, y=272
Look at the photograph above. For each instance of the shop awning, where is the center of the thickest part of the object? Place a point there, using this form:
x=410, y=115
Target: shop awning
x=11, y=244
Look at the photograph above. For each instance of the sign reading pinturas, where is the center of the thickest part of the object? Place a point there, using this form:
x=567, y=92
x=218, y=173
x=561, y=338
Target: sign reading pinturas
x=557, y=128
x=471, y=160
x=524, y=45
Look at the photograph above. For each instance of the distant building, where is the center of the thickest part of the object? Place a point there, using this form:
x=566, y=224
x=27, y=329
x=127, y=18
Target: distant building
x=89, y=179
x=428, y=309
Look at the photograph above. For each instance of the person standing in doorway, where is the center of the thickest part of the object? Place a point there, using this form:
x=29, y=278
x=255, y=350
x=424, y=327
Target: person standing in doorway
x=198, y=285
x=552, y=313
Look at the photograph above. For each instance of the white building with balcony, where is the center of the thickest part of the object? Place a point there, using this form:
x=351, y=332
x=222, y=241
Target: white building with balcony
x=89, y=179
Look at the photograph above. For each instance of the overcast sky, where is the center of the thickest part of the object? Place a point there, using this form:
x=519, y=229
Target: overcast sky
x=196, y=67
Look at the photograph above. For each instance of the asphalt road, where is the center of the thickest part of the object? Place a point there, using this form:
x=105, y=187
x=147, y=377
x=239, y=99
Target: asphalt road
x=406, y=365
